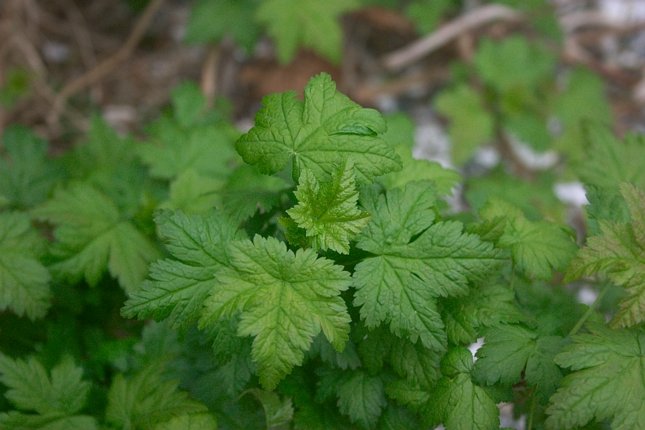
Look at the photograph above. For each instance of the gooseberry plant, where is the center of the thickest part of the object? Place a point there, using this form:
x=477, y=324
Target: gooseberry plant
x=308, y=274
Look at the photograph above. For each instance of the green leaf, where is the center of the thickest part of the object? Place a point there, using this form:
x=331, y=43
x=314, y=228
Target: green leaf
x=513, y=64
x=442, y=179
x=608, y=161
x=24, y=281
x=606, y=382
x=192, y=192
x=510, y=350
x=538, y=248
x=178, y=286
x=413, y=263
x=324, y=131
x=214, y=20
x=31, y=387
x=536, y=199
x=470, y=124
x=108, y=162
x=247, y=191
x=26, y=175
x=197, y=421
x=458, y=403
x=328, y=210
x=618, y=252
x=361, y=397
x=427, y=14
x=582, y=101
x=285, y=299
x=277, y=412
x=395, y=418
x=92, y=236
x=53, y=421
x=146, y=399
x=414, y=362
x=486, y=306
x=306, y=23
x=207, y=150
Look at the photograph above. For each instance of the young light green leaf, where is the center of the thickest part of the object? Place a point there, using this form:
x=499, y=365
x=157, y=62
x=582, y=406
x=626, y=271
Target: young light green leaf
x=307, y=23
x=606, y=382
x=147, y=399
x=92, y=236
x=413, y=263
x=324, y=131
x=328, y=210
x=456, y=401
x=178, y=286
x=285, y=299
x=512, y=350
x=24, y=281
x=618, y=253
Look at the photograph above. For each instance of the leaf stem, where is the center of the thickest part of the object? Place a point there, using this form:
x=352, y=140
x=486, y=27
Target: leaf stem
x=529, y=424
x=589, y=311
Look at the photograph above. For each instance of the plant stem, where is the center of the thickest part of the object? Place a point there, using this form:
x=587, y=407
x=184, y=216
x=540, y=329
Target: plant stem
x=529, y=424
x=587, y=314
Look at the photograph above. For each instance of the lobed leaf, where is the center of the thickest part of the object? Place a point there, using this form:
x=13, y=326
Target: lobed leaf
x=24, y=281
x=324, y=131
x=284, y=300
x=328, y=210
x=413, y=263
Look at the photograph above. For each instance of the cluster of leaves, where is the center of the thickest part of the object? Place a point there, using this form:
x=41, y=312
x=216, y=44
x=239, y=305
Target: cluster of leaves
x=307, y=274
x=295, y=24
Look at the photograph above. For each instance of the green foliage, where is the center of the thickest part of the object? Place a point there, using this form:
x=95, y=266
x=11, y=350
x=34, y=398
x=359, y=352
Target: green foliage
x=57, y=397
x=470, y=124
x=26, y=176
x=284, y=298
x=307, y=23
x=402, y=279
x=24, y=281
x=328, y=211
x=617, y=252
x=606, y=380
x=311, y=274
x=307, y=135
x=91, y=236
x=215, y=20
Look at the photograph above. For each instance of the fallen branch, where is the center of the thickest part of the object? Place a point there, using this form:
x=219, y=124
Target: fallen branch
x=410, y=54
x=106, y=66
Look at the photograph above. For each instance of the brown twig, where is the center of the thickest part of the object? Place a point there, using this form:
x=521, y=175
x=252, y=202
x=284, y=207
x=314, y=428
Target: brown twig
x=410, y=54
x=209, y=76
x=106, y=66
